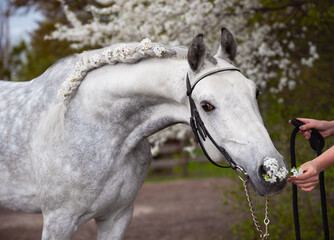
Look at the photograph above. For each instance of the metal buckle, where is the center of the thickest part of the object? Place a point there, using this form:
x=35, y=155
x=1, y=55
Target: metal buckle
x=243, y=176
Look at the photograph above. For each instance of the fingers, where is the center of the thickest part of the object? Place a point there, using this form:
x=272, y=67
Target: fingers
x=304, y=129
x=308, y=189
x=307, y=186
x=308, y=180
x=304, y=120
x=307, y=173
x=309, y=123
x=306, y=134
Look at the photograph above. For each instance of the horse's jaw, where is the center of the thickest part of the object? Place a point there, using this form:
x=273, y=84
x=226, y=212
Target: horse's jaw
x=268, y=189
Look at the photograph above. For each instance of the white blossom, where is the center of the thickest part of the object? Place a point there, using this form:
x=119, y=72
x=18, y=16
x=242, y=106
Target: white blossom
x=176, y=22
x=297, y=171
x=292, y=46
x=96, y=58
x=291, y=84
x=261, y=55
x=122, y=52
x=145, y=45
x=108, y=53
x=273, y=171
x=158, y=50
x=280, y=100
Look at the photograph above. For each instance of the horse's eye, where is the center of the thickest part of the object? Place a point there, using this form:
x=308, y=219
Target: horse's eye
x=258, y=92
x=207, y=106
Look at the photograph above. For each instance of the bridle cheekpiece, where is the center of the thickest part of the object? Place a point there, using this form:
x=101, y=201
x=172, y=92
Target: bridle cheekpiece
x=201, y=131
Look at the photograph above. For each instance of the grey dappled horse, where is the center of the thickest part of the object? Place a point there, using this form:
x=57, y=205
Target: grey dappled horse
x=86, y=155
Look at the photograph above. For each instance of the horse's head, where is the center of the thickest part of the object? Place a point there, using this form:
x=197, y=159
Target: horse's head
x=227, y=104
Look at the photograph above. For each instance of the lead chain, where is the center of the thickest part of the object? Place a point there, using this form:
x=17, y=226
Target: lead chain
x=266, y=220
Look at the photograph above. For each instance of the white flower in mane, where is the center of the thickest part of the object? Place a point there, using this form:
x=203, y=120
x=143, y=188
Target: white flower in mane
x=122, y=51
x=96, y=59
x=110, y=55
x=145, y=45
x=158, y=50
x=79, y=67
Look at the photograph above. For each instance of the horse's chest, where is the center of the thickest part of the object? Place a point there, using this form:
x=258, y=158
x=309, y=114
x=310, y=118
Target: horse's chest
x=124, y=182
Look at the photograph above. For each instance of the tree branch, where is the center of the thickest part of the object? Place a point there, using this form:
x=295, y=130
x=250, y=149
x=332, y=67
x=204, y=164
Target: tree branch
x=272, y=9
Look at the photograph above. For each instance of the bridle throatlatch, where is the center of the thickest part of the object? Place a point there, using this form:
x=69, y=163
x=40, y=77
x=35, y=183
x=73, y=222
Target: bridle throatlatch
x=317, y=143
x=201, y=134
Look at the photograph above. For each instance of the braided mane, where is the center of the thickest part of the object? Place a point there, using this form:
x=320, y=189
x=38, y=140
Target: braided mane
x=52, y=124
x=118, y=53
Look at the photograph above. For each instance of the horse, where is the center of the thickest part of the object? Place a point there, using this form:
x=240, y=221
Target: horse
x=73, y=142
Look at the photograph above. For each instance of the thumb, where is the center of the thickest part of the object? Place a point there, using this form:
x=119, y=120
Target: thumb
x=306, y=174
x=308, y=171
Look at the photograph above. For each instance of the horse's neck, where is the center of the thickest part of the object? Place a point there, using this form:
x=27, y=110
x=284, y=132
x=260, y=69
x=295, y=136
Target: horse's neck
x=136, y=99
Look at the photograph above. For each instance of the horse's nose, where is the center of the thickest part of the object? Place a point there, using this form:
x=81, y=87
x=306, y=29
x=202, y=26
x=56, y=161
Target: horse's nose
x=271, y=171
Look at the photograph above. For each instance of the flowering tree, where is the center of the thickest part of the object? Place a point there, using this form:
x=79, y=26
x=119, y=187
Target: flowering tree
x=266, y=41
x=271, y=40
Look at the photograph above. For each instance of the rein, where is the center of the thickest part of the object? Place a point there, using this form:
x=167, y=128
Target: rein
x=201, y=132
x=317, y=143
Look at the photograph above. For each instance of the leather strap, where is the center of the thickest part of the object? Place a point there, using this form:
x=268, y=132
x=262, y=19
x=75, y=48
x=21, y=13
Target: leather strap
x=198, y=125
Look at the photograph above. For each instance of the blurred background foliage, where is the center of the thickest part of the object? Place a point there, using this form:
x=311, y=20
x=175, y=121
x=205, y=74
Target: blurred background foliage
x=311, y=98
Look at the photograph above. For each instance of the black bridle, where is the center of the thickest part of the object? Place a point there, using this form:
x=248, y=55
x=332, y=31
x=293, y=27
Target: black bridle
x=201, y=131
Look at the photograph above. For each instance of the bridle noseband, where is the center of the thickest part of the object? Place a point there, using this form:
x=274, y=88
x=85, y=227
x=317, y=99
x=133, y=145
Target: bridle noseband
x=201, y=131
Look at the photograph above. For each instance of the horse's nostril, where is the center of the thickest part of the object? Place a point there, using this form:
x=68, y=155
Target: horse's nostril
x=263, y=170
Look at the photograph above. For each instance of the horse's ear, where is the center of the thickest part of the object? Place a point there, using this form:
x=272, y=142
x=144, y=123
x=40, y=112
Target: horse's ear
x=228, y=45
x=196, y=53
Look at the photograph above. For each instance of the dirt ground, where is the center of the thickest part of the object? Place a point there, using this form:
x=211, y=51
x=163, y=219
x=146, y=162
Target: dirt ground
x=178, y=210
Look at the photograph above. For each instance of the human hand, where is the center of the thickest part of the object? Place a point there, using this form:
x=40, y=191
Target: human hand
x=325, y=128
x=309, y=179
